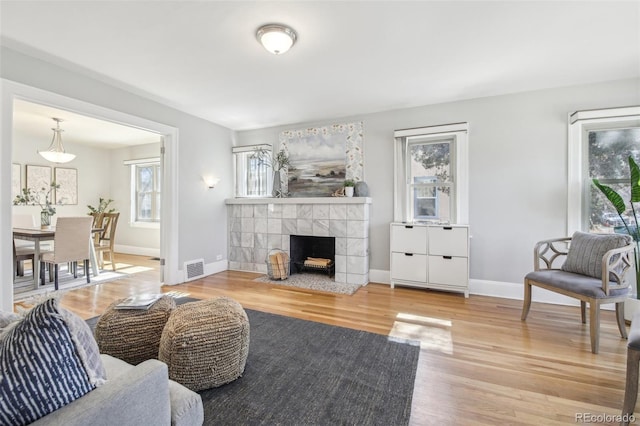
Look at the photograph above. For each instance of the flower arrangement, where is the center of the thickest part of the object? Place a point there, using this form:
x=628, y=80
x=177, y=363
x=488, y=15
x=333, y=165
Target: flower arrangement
x=277, y=162
x=40, y=197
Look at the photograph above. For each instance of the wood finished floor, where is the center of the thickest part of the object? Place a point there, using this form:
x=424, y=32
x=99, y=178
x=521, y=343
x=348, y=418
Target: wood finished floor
x=479, y=364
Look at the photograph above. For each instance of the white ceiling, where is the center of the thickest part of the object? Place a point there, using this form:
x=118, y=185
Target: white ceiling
x=351, y=58
x=35, y=121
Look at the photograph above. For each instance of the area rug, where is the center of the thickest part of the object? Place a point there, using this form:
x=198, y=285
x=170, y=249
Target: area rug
x=313, y=282
x=305, y=373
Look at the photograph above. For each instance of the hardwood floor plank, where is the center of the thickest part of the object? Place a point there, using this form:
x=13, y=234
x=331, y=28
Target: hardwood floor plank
x=479, y=364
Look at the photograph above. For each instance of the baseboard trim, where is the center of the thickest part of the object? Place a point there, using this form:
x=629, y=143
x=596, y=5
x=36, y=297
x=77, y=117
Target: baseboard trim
x=502, y=289
x=140, y=251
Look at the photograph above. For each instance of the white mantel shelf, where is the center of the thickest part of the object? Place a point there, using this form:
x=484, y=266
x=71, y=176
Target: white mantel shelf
x=301, y=200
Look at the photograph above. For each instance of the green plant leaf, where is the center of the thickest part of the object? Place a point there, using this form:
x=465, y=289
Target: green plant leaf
x=612, y=196
x=635, y=180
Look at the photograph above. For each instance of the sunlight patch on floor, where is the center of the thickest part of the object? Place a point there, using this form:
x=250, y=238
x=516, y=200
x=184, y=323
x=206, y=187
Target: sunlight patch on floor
x=433, y=333
x=129, y=269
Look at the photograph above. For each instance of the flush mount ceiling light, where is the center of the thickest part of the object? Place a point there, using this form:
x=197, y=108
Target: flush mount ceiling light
x=276, y=38
x=55, y=153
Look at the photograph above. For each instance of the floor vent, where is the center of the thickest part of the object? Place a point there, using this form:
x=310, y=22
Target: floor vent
x=193, y=269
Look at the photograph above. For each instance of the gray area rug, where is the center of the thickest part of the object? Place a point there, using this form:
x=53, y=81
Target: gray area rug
x=313, y=282
x=305, y=373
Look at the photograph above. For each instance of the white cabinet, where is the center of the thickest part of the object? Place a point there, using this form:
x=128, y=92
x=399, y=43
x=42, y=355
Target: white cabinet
x=430, y=256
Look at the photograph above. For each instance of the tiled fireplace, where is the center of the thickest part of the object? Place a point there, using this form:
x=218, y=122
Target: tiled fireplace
x=257, y=225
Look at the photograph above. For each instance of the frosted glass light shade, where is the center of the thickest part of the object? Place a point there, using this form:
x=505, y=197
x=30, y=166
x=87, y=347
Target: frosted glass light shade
x=277, y=39
x=56, y=156
x=56, y=153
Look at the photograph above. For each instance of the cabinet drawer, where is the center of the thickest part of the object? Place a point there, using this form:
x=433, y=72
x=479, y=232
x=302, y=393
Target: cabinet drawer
x=411, y=268
x=448, y=241
x=409, y=239
x=449, y=270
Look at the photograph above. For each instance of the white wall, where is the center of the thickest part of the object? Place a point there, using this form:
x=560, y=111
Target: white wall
x=518, y=171
x=202, y=148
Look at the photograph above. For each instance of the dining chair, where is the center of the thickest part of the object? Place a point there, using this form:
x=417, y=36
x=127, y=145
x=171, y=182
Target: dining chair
x=20, y=254
x=589, y=267
x=104, y=240
x=22, y=250
x=71, y=244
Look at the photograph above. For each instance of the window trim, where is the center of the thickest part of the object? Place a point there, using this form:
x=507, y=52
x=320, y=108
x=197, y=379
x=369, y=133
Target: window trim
x=580, y=123
x=460, y=164
x=244, y=149
x=133, y=192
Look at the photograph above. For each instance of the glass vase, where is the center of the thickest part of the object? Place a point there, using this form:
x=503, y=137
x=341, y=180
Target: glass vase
x=277, y=185
x=45, y=219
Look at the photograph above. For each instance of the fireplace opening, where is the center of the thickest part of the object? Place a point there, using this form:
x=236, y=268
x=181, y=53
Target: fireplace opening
x=312, y=254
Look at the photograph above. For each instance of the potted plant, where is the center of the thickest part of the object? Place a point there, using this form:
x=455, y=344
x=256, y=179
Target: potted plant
x=41, y=198
x=102, y=206
x=628, y=228
x=348, y=187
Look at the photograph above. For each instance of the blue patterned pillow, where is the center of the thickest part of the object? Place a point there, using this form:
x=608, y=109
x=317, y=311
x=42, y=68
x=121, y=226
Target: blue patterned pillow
x=586, y=252
x=42, y=367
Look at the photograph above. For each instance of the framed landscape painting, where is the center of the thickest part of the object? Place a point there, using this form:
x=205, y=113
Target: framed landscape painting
x=322, y=158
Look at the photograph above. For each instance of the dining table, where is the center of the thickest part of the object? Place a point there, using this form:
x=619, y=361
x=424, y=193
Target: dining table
x=37, y=235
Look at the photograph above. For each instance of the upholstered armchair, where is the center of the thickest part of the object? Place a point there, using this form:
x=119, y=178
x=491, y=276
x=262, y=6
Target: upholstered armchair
x=589, y=267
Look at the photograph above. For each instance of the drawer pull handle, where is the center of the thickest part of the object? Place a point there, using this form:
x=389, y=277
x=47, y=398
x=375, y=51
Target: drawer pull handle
x=447, y=228
x=447, y=257
x=408, y=254
x=409, y=226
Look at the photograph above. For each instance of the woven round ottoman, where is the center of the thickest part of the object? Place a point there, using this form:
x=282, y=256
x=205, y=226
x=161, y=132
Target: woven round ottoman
x=133, y=335
x=205, y=344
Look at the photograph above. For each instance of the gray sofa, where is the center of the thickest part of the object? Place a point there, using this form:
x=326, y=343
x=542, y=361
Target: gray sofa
x=133, y=395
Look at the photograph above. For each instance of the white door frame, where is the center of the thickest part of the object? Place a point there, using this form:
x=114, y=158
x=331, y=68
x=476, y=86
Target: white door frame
x=11, y=90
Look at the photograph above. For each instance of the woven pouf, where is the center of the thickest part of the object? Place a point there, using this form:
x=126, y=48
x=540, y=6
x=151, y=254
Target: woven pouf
x=133, y=335
x=206, y=343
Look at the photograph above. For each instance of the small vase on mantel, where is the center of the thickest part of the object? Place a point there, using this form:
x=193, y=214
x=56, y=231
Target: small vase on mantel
x=277, y=185
x=45, y=219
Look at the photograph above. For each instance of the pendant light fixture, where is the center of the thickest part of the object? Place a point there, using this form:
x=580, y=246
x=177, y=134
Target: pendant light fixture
x=276, y=38
x=55, y=153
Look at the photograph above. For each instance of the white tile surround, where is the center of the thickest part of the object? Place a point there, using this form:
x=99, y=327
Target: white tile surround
x=257, y=225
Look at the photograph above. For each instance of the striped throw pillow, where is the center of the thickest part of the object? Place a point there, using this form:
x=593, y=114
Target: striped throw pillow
x=42, y=367
x=586, y=252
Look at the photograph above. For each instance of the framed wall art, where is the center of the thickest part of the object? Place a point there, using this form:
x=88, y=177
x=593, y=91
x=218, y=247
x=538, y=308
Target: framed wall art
x=38, y=178
x=16, y=180
x=67, y=193
x=322, y=158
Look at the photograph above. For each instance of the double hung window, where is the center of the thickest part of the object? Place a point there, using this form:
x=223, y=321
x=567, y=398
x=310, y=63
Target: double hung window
x=146, y=191
x=600, y=143
x=252, y=171
x=431, y=182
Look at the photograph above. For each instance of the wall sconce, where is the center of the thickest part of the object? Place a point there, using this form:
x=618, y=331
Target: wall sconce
x=211, y=181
